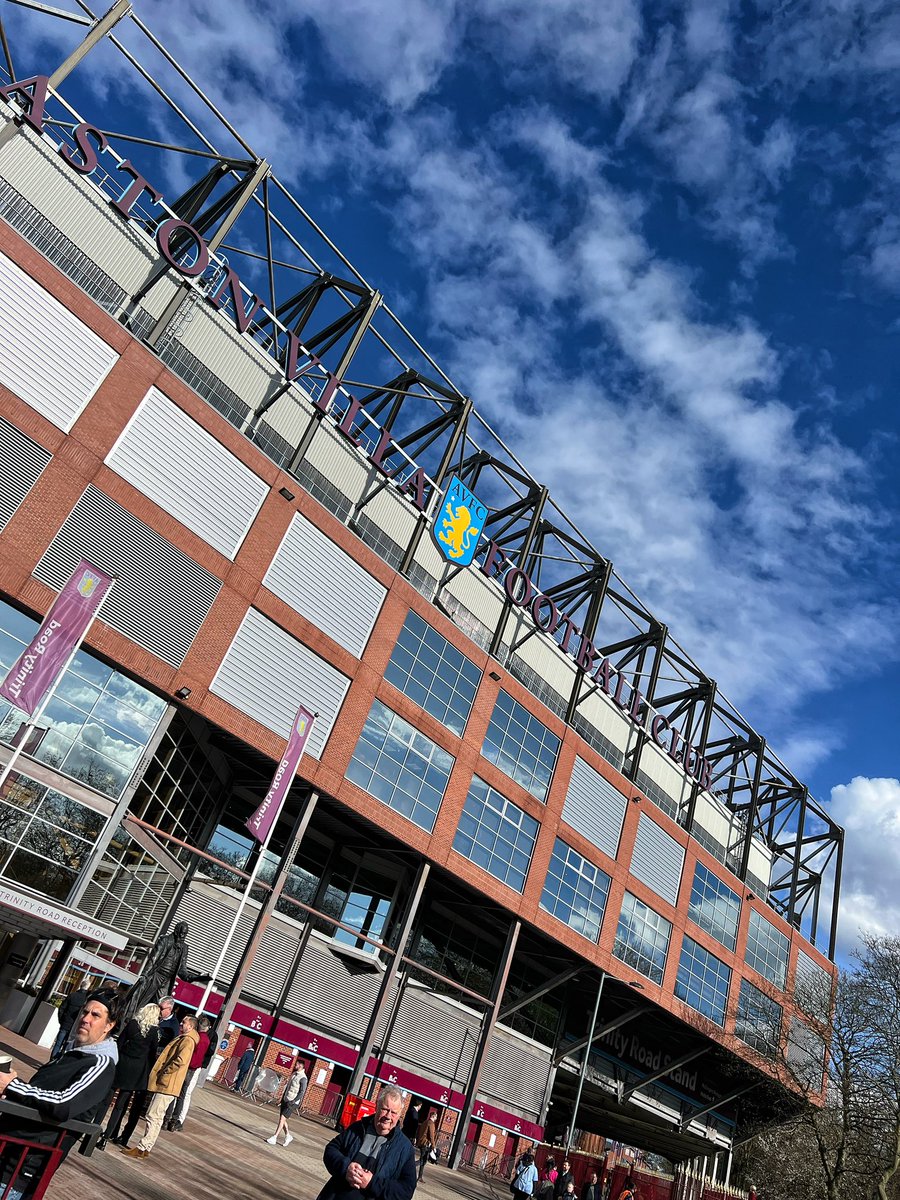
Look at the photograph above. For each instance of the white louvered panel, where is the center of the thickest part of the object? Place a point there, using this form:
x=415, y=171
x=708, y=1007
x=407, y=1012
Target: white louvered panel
x=430, y=1030
x=266, y=674
x=161, y=597
x=181, y=467
x=594, y=808
x=328, y=995
x=515, y=1075
x=21, y=462
x=48, y=358
x=657, y=859
x=324, y=584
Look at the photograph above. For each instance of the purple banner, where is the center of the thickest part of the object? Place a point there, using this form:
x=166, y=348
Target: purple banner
x=36, y=670
x=264, y=818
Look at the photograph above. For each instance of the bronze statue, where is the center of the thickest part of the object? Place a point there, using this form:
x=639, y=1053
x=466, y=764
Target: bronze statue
x=166, y=962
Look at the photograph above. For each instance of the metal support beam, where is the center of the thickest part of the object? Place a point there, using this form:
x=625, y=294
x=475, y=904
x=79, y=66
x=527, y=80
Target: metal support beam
x=536, y=993
x=701, y=1112
x=96, y=33
x=246, y=961
x=584, y=1065
x=615, y=1023
x=243, y=198
x=490, y=1020
x=387, y=981
x=672, y=1066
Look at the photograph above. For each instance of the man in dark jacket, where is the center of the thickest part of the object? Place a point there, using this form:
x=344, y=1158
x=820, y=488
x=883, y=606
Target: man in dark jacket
x=373, y=1156
x=67, y=1012
x=563, y=1179
x=73, y=1086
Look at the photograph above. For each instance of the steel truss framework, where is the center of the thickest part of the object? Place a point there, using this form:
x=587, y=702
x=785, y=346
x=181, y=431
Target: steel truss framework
x=296, y=289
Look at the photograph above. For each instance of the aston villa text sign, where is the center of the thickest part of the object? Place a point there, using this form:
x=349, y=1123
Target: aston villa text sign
x=186, y=251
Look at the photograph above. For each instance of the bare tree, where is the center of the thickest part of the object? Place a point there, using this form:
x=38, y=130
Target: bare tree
x=847, y=1148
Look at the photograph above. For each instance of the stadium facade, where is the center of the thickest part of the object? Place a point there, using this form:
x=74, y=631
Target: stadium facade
x=533, y=865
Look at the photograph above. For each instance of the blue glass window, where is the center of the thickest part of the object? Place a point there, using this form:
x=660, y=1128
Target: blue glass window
x=714, y=907
x=575, y=891
x=433, y=674
x=400, y=766
x=97, y=724
x=521, y=746
x=642, y=938
x=702, y=981
x=758, y=1020
x=496, y=835
x=767, y=949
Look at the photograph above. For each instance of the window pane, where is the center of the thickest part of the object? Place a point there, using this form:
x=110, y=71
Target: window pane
x=703, y=981
x=767, y=949
x=400, y=766
x=642, y=938
x=521, y=746
x=433, y=673
x=575, y=891
x=496, y=835
x=714, y=907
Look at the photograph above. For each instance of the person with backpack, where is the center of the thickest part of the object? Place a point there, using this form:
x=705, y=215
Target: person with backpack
x=526, y=1177
x=628, y=1192
x=548, y=1178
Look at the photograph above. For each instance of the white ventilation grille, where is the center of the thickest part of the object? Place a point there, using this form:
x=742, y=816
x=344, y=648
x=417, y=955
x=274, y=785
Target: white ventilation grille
x=21, y=462
x=181, y=467
x=657, y=859
x=266, y=674
x=325, y=585
x=594, y=808
x=48, y=358
x=161, y=596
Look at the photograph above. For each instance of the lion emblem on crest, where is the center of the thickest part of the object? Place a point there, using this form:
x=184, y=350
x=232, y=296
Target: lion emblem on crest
x=457, y=531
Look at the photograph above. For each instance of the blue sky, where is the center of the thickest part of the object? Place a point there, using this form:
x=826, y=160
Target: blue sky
x=659, y=246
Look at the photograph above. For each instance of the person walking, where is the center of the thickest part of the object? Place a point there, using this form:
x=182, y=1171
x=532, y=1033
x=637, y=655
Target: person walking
x=137, y=1050
x=426, y=1139
x=67, y=1012
x=548, y=1177
x=199, y=1062
x=245, y=1062
x=592, y=1189
x=525, y=1179
x=563, y=1179
x=165, y=1082
x=291, y=1101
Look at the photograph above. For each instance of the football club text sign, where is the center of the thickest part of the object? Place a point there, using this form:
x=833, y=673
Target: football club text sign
x=38, y=667
x=260, y=824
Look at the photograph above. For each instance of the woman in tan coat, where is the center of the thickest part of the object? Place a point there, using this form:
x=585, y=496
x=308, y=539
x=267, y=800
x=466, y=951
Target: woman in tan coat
x=166, y=1079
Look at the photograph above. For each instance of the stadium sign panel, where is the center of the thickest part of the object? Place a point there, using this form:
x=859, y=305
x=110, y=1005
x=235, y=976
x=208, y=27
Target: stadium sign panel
x=457, y=528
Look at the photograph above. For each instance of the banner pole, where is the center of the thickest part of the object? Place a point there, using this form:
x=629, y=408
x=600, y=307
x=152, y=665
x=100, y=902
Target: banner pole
x=266, y=816
x=31, y=723
x=242, y=904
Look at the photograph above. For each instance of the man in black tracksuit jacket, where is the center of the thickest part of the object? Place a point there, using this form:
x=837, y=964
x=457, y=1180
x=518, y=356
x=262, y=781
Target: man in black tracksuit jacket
x=75, y=1085
x=373, y=1156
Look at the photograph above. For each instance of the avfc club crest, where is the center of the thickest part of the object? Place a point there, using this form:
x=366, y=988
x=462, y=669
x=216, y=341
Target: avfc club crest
x=458, y=523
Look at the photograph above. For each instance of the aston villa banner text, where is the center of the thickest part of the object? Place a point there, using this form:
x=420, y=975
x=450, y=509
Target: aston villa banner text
x=36, y=670
x=264, y=818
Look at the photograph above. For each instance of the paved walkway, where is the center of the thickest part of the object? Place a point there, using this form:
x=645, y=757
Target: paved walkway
x=222, y=1155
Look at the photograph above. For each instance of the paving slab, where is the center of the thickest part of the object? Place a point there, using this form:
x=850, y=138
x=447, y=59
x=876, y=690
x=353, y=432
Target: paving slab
x=222, y=1154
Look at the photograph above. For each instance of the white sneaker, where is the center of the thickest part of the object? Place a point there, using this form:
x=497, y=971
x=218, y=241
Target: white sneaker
x=273, y=1140
x=288, y=1138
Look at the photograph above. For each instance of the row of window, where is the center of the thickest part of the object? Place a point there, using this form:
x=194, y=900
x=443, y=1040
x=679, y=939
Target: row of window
x=409, y=773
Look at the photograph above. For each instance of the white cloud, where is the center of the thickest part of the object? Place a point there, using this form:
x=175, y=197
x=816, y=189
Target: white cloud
x=869, y=810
